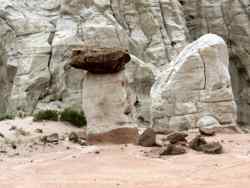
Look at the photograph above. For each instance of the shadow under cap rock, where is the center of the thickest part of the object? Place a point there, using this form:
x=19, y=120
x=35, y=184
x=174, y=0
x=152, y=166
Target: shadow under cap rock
x=100, y=60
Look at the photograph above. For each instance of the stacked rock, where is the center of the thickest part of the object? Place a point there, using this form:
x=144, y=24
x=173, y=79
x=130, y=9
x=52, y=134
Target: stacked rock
x=106, y=99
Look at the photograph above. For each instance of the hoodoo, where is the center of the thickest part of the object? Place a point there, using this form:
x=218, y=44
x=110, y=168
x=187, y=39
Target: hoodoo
x=106, y=99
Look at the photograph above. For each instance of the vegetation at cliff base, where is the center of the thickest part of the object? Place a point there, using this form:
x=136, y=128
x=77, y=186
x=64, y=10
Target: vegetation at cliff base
x=49, y=115
x=74, y=117
x=6, y=116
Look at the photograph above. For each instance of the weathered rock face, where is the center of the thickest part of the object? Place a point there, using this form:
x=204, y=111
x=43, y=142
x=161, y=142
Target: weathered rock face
x=100, y=60
x=229, y=19
x=38, y=36
x=195, y=85
x=45, y=32
x=108, y=107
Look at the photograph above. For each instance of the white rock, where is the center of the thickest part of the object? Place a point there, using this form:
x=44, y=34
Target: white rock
x=194, y=84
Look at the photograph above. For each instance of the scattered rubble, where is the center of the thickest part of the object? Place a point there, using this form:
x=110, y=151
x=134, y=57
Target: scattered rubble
x=212, y=148
x=197, y=142
x=173, y=149
x=52, y=138
x=176, y=137
x=77, y=138
x=200, y=144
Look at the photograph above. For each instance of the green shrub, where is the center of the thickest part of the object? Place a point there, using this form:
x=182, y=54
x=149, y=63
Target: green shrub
x=74, y=117
x=5, y=116
x=50, y=115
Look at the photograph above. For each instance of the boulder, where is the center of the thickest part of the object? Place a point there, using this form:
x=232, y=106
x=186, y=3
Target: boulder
x=196, y=83
x=148, y=138
x=197, y=143
x=100, y=60
x=200, y=144
x=207, y=125
x=212, y=148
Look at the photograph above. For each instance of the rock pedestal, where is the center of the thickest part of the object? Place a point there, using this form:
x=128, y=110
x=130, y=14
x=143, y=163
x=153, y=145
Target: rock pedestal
x=106, y=100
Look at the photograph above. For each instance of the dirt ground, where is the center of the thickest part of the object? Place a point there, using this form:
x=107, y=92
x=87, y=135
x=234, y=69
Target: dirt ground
x=129, y=166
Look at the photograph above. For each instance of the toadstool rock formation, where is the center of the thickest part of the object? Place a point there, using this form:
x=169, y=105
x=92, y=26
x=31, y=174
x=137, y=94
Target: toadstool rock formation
x=195, y=85
x=106, y=99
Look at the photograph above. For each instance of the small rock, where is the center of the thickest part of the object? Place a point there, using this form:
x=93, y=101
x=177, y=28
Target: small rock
x=22, y=132
x=176, y=137
x=207, y=125
x=73, y=137
x=39, y=131
x=212, y=148
x=3, y=151
x=2, y=135
x=197, y=143
x=148, y=138
x=82, y=142
x=173, y=149
x=12, y=128
x=14, y=146
x=53, y=138
x=207, y=131
x=77, y=138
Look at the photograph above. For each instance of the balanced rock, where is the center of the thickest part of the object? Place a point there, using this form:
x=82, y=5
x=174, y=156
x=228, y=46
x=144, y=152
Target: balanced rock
x=100, y=60
x=107, y=101
x=195, y=84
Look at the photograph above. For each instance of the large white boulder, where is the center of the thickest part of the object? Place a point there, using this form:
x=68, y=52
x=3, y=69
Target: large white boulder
x=197, y=83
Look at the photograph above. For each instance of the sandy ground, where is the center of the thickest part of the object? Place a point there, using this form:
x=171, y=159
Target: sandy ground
x=130, y=167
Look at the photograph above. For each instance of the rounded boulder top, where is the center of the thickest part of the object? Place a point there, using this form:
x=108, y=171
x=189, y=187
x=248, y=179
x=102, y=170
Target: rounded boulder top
x=100, y=60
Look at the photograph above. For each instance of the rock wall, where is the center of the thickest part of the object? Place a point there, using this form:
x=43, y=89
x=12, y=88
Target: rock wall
x=38, y=36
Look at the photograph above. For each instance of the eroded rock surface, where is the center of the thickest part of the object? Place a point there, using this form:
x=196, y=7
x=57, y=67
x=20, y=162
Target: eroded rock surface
x=108, y=106
x=197, y=83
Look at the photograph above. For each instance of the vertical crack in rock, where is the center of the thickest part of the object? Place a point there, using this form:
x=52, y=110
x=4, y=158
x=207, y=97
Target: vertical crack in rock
x=166, y=29
x=50, y=42
x=119, y=19
x=204, y=69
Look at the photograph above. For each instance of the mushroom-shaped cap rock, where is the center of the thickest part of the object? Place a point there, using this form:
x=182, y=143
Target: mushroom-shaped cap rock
x=100, y=60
